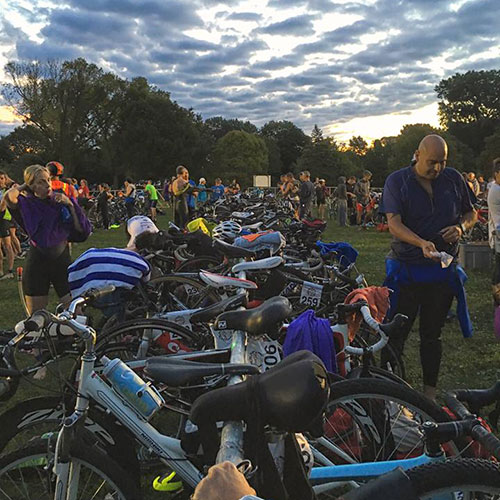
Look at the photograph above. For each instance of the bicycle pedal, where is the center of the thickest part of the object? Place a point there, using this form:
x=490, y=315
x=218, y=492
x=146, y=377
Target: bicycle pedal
x=168, y=482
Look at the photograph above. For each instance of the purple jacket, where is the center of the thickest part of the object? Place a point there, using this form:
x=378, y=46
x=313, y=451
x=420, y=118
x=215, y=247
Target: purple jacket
x=43, y=221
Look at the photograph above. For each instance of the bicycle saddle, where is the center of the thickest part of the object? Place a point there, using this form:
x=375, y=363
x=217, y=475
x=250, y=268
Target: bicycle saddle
x=395, y=325
x=212, y=311
x=262, y=319
x=289, y=396
x=180, y=372
x=231, y=251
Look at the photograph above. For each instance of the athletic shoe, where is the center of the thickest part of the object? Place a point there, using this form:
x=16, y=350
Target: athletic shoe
x=7, y=276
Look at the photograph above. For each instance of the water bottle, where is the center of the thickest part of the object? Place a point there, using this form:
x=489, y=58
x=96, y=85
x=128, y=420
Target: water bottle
x=142, y=397
x=66, y=216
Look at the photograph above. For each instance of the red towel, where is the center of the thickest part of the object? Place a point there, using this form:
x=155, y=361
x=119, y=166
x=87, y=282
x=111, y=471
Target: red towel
x=378, y=300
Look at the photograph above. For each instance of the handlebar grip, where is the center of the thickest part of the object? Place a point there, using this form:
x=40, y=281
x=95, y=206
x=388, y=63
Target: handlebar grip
x=487, y=439
x=97, y=293
x=456, y=406
x=37, y=321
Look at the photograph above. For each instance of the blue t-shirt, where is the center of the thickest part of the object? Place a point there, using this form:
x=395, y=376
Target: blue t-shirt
x=424, y=215
x=217, y=192
x=202, y=195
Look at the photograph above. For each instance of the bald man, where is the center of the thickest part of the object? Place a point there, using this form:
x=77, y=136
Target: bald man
x=428, y=208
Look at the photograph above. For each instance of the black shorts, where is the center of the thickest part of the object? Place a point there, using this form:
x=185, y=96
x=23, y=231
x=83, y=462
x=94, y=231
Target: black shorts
x=152, y=203
x=4, y=228
x=41, y=270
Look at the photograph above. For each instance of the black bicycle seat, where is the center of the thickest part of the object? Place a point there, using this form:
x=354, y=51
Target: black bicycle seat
x=231, y=251
x=398, y=322
x=262, y=319
x=180, y=372
x=212, y=311
x=289, y=396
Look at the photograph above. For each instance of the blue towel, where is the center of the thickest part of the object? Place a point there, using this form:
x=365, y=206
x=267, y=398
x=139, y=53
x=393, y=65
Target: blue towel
x=400, y=273
x=347, y=254
x=307, y=332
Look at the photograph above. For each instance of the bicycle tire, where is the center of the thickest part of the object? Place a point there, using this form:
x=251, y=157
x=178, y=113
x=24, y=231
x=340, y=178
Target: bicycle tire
x=37, y=416
x=456, y=475
x=361, y=400
x=31, y=462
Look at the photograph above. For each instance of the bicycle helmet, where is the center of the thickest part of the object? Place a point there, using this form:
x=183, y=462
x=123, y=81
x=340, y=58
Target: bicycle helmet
x=227, y=230
x=55, y=168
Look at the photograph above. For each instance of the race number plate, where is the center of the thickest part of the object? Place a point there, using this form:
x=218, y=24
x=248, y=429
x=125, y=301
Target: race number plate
x=311, y=294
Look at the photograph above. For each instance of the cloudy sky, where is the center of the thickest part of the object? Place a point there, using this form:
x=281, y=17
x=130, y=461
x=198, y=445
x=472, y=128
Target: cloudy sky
x=362, y=68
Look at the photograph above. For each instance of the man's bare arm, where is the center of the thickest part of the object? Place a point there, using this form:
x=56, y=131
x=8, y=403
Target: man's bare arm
x=403, y=233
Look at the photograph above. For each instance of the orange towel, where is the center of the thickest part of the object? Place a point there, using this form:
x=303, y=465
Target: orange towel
x=378, y=300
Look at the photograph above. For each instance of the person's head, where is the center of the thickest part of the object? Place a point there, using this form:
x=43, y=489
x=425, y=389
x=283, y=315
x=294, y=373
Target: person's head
x=367, y=175
x=480, y=179
x=127, y=181
x=150, y=181
x=203, y=181
x=3, y=179
x=282, y=178
x=322, y=182
x=305, y=175
x=55, y=168
x=496, y=170
x=83, y=182
x=471, y=176
x=289, y=176
x=431, y=156
x=37, y=178
x=218, y=181
x=182, y=172
x=341, y=180
x=351, y=180
x=136, y=226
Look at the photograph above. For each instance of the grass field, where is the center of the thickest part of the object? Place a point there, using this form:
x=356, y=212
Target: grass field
x=466, y=362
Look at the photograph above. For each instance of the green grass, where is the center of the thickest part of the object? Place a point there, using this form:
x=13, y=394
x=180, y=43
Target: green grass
x=466, y=362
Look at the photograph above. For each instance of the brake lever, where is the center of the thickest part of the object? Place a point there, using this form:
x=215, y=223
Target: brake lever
x=247, y=469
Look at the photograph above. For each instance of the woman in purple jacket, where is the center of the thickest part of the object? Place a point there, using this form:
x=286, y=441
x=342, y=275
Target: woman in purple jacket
x=51, y=220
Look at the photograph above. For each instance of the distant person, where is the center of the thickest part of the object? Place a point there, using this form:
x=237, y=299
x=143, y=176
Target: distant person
x=482, y=186
x=321, y=194
x=473, y=183
x=130, y=196
x=103, y=199
x=84, y=194
x=217, y=190
x=181, y=189
x=363, y=197
x=306, y=194
x=351, y=200
x=342, y=202
x=281, y=184
x=56, y=170
x=191, y=199
x=494, y=238
x=5, y=236
x=428, y=208
x=166, y=191
x=234, y=187
x=152, y=199
x=202, y=195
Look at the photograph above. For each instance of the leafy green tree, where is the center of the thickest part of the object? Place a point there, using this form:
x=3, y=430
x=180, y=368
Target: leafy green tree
x=358, y=145
x=316, y=135
x=324, y=159
x=470, y=106
x=240, y=155
x=274, y=158
x=290, y=140
x=490, y=152
x=218, y=127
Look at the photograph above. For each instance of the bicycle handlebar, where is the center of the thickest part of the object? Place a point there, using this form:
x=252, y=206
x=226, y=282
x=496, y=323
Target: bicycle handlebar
x=397, y=321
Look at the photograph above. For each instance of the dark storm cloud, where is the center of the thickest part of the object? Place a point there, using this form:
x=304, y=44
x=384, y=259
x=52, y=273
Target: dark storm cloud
x=298, y=25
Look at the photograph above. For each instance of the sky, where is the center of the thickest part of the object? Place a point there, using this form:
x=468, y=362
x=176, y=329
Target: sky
x=353, y=68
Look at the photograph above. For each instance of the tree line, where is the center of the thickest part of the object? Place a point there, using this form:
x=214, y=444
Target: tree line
x=105, y=128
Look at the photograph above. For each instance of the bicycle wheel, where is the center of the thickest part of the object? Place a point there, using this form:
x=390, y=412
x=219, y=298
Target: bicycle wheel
x=467, y=479
x=372, y=420
x=27, y=473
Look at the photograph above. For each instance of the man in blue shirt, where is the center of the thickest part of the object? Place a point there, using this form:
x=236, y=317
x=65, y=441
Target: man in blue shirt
x=428, y=207
x=217, y=190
